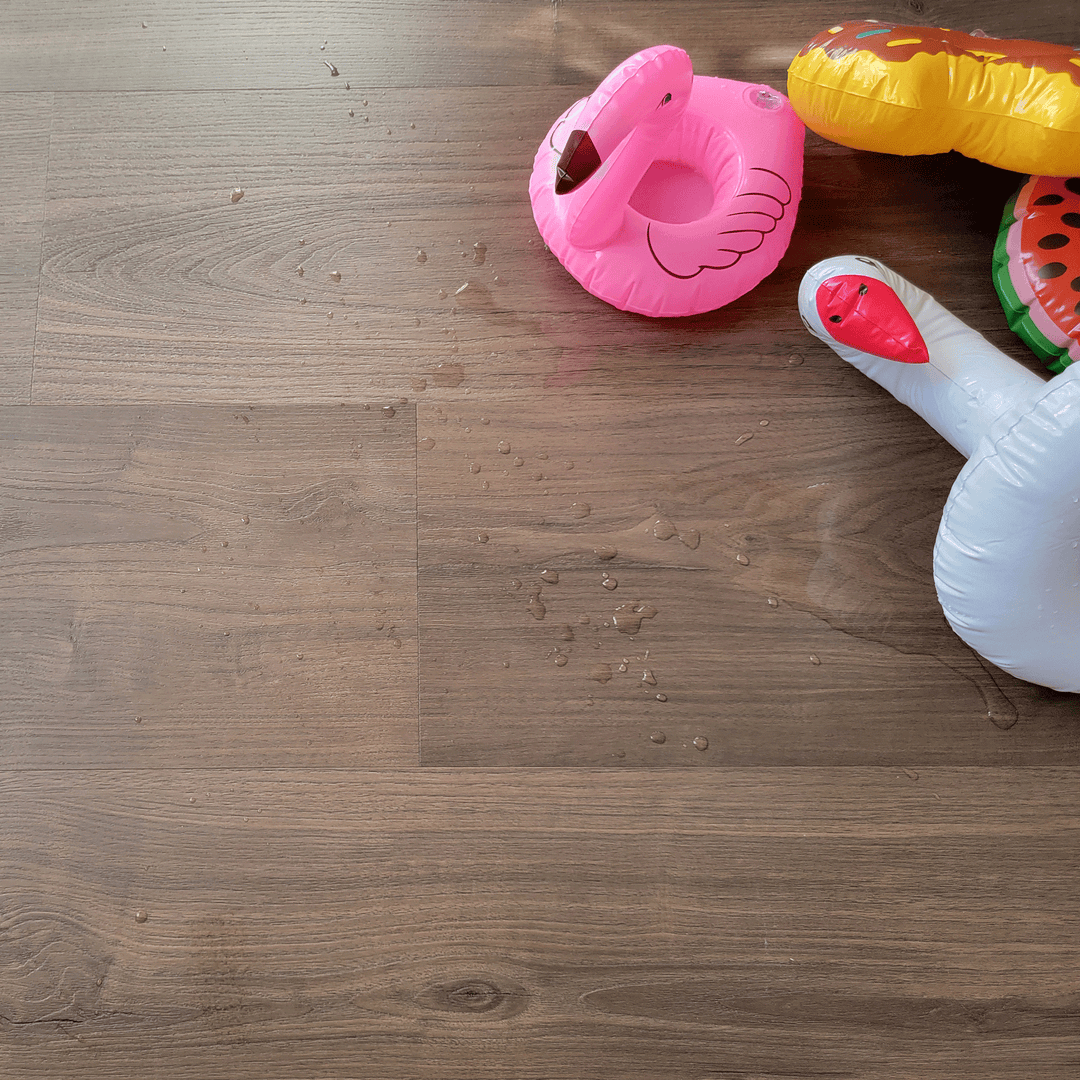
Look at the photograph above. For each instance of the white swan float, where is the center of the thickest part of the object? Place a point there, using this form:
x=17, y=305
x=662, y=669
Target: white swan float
x=1006, y=560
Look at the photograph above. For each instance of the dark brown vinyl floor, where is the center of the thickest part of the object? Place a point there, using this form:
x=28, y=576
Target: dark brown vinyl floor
x=412, y=667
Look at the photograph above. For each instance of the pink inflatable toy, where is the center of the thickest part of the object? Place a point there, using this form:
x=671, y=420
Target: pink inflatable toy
x=667, y=193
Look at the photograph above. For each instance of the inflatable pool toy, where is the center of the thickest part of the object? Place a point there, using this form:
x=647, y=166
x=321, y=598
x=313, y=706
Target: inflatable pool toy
x=667, y=193
x=917, y=90
x=1006, y=560
x=1037, y=267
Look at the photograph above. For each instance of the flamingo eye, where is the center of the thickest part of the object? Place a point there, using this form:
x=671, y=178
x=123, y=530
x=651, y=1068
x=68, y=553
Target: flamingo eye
x=667, y=98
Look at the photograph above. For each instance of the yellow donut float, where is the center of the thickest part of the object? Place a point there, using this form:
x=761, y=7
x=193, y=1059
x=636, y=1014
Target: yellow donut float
x=919, y=90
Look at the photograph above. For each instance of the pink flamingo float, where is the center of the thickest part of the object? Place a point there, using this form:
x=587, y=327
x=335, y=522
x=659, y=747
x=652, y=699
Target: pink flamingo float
x=667, y=193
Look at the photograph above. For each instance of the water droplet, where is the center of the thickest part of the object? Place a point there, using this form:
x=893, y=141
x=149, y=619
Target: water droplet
x=815, y=660
x=746, y=436
x=605, y=553
x=536, y=606
x=299, y=656
x=396, y=642
x=302, y=241
x=661, y=697
x=519, y=461
x=475, y=467
x=663, y=529
x=763, y=423
x=741, y=558
x=701, y=743
x=773, y=602
x=421, y=255
x=347, y=86
x=690, y=537
x=610, y=583
x=329, y=314
x=658, y=737
x=304, y=300
x=482, y=537
x=389, y=411
x=141, y=916
x=580, y=509
x=795, y=359
x=237, y=194
x=335, y=275
x=485, y=485
x=514, y=583
x=504, y=447
x=506, y=663
x=442, y=294
x=627, y=617
x=648, y=678
x=299, y=271
x=426, y=444
x=333, y=70
x=418, y=385
x=567, y=632
x=601, y=673
x=460, y=289
x=245, y=519
x=479, y=252
x=550, y=576
x=560, y=659
x=351, y=113
x=583, y=620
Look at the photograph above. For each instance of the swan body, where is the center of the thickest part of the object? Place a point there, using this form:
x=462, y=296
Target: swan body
x=1006, y=559
x=667, y=193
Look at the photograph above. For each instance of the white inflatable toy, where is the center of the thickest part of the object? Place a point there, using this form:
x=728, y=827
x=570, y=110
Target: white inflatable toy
x=1006, y=561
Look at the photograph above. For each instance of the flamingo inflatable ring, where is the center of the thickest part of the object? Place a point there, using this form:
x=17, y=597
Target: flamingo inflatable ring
x=1006, y=560
x=667, y=193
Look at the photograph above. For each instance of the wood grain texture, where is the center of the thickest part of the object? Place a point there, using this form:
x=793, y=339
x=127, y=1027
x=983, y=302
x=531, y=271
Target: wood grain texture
x=844, y=923
x=275, y=44
x=24, y=134
x=219, y=853
x=807, y=572
x=157, y=287
x=207, y=585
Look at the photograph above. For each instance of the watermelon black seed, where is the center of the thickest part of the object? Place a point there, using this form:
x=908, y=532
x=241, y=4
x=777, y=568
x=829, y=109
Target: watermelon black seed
x=1072, y=220
x=1052, y=241
x=1048, y=200
x=1075, y=284
x=1052, y=270
x=1073, y=185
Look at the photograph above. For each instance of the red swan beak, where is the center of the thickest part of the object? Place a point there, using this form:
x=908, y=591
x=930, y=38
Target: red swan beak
x=866, y=314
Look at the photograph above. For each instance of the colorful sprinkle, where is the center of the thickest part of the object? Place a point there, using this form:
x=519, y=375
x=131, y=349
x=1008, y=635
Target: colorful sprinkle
x=871, y=33
x=903, y=41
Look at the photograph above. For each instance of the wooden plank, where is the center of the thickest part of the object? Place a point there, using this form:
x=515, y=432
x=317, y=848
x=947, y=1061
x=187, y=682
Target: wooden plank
x=156, y=286
x=270, y=44
x=793, y=923
x=200, y=585
x=24, y=134
x=780, y=550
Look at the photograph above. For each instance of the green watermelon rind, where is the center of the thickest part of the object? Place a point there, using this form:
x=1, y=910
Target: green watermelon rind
x=1017, y=313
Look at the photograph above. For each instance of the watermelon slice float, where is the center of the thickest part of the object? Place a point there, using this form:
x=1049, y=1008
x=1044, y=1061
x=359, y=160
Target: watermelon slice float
x=1037, y=267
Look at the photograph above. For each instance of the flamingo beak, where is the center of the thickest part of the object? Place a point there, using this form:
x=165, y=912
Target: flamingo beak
x=865, y=314
x=578, y=162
